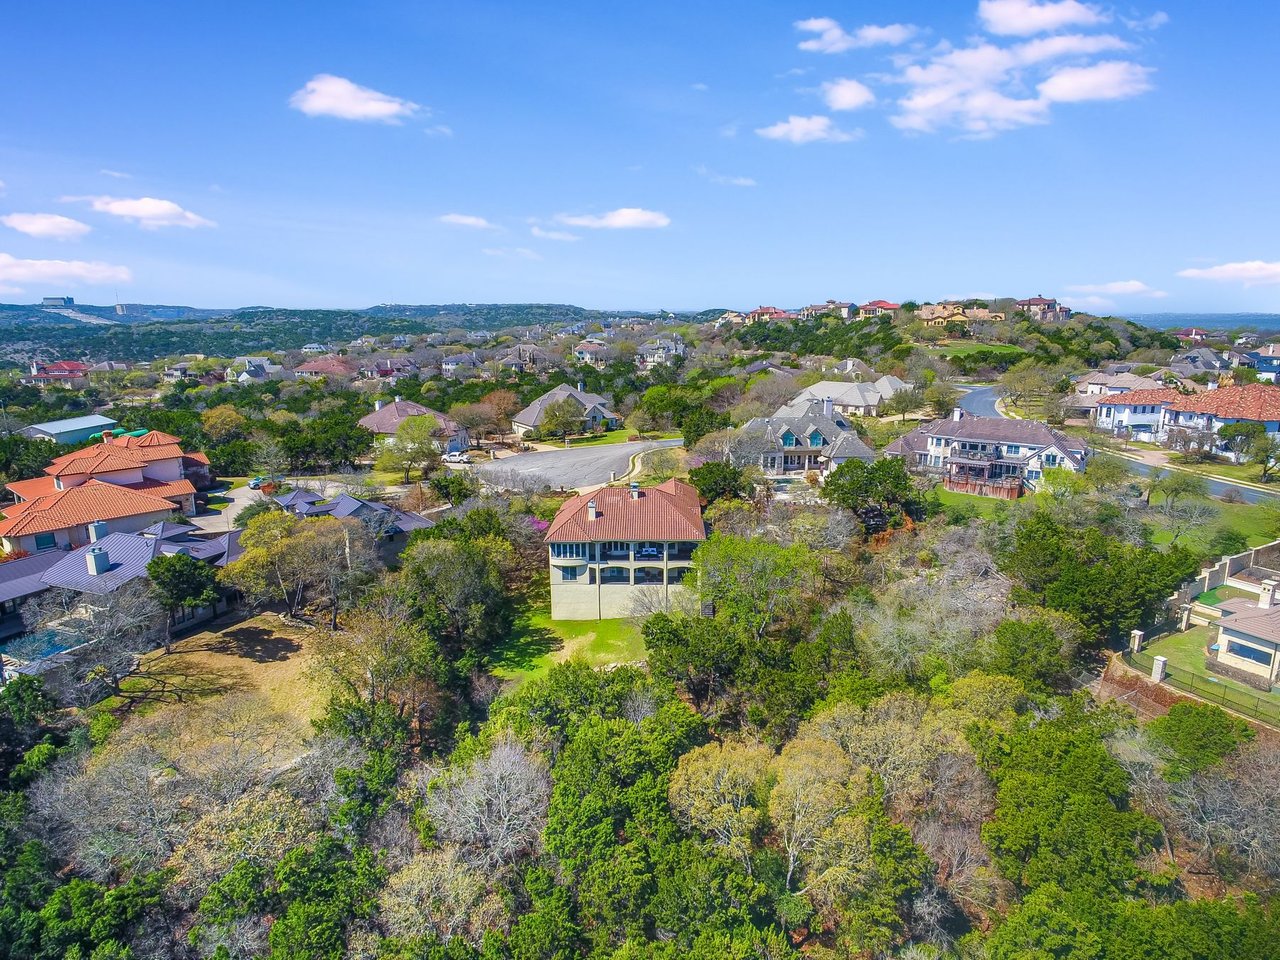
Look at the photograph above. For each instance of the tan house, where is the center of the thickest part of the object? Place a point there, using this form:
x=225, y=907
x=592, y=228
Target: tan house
x=1249, y=637
x=618, y=550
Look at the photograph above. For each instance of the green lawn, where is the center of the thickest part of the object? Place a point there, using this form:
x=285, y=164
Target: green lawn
x=1218, y=594
x=537, y=643
x=985, y=507
x=1249, y=519
x=616, y=436
x=217, y=503
x=964, y=349
x=1186, y=651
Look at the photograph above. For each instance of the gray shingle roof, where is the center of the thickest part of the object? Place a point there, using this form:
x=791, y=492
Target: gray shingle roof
x=533, y=414
x=23, y=577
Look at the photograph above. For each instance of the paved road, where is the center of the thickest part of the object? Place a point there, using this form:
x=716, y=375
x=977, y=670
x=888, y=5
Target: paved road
x=982, y=402
x=222, y=521
x=573, y=468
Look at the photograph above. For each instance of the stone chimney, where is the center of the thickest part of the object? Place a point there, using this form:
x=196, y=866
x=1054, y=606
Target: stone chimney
x=97, y=530
x=1268, y=595
x=591, y=510
x=97, y=561
x=828, y=407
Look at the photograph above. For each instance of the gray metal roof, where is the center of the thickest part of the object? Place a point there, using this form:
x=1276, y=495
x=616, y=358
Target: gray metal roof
x=22, y=578
x=74, y=423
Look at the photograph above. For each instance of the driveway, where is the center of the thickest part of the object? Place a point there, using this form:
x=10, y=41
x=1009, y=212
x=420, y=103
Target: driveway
x=224, y=520
x=573, y=468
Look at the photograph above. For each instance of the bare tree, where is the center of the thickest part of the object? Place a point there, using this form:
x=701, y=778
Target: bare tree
x=495, y=808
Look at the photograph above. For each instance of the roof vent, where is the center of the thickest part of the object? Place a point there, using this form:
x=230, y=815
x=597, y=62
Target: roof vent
x=97, y=561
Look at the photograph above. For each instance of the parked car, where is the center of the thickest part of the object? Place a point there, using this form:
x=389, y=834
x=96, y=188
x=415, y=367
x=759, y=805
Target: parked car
x=457, y=456
x=257, y=482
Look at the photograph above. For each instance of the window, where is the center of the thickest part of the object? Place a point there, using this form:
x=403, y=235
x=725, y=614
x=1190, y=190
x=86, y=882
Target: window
x=1050, y=459
x=568, y=574
x=1013, y=449
x=788, y=439
x=569, y=551
x=1249, y=652
x=617, y=548
x=46, y=541
x=677, y=574
x=816, y=439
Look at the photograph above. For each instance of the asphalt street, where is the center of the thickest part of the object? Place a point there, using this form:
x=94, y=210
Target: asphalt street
x=572, y=468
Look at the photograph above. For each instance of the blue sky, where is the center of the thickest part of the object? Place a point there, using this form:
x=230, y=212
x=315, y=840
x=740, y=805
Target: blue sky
x=682, y=155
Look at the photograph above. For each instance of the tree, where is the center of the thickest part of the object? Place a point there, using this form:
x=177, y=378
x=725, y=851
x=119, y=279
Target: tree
x=223, y=422
x=1198, y=735
x=903, y=402
x=716, y=481
x=811, y=789
x=180, y=580
x=1265, y=452
x=874, y=491
x=495, y=808
x=701, y=655
x=753, y=582
x=436, y=896
x=415, y=446
x=1105, y=473
x=561, y=418
x=641, y=421
x=941, y=399
x=715, y=790
x=699, y=422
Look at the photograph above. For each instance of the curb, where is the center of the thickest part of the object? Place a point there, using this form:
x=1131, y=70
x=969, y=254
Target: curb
x=1229, y=481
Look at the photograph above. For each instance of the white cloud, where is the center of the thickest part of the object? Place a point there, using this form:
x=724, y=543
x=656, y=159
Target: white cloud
x=1153, y=22
x=1093, y=303
x=699, y=87
x=806, y=130
x=13, y=270
x=46, y=226
x=466, y=220
x=625, y=218
x=149, y=213
x=1124, y=288
x=846, y=94
x=1251, y=273
x=724, y=180
x=981, y=88
x=1, y=188
x=519, y=253
x=833, y=38
x=328, y=96
x=1021, y=18
x=564, y=235
x=1109, y=80
x=116, y=174
x=439, y=130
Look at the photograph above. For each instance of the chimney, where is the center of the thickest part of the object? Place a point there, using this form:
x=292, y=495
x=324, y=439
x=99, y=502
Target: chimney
x=97, y=530
x=635, y=490
x=582, y=386
x=377, y=405
x=828, y=407
x=108, y=436
x=591, y=510
x=1268, y=595
x=399, y=399
x=97, y=561
x=957, y=414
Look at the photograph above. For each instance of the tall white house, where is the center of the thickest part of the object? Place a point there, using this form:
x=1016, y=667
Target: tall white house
x=619, y=549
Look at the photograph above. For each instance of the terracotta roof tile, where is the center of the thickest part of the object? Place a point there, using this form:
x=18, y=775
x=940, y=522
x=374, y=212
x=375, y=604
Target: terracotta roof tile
x=78, y=506
x=1255, y=401
x=670, y=511
x=1134, y=397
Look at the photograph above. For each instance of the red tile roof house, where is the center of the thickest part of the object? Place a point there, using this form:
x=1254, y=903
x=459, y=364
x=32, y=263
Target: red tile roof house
x=1215, y=409
x=621, y=551
x=877, y=307
x=387, y=417
x=126, y=482
x=1139, y=412
x=68, y=373
x=332, y=367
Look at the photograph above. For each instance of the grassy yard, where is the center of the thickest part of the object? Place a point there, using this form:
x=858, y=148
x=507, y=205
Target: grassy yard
x=1186, y=651
x=966, y=348
x=259, y=656
x=1249, y=519
x=1218, y=594
x=616, y=436
x=537, y=643
x=984, y=507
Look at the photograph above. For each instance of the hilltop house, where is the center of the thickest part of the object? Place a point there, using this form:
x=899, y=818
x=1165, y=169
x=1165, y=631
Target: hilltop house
x=526, y=358
x=832, y=308
x=873, y=309
x=613, y=551
x=1044, y=310
x=459, y=364
x=988, y=456
x=591, y=352
x=71, y=430
x=1197, y=361
x=386, y=418
x=1191, y=335
x=1215, y=409
x=853, y=367
x=660, y=350
x=596, y=410
x=806, y=436
x=767, y=314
